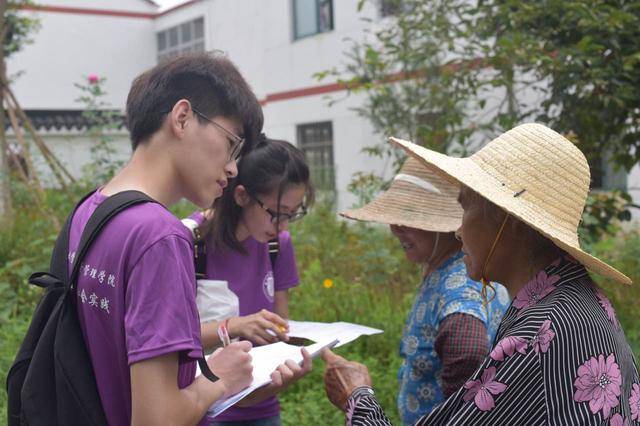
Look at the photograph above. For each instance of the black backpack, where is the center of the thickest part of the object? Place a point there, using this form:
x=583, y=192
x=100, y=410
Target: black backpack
x=51, y=381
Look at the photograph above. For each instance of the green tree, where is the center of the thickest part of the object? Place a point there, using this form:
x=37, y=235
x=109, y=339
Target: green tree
x=14, y=34
x=18, y=27
x=451, y=74
x=589, y=53
x=102, y=121
x=582, y=59
x=410, y=76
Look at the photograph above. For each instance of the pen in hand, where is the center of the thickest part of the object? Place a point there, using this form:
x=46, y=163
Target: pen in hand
x=223, y=333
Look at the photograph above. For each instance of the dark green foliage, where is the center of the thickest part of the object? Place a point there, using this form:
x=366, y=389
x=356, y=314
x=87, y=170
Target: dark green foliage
x=18, y=27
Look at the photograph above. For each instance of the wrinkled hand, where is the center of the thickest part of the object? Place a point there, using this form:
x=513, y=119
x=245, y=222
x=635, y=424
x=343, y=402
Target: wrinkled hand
x=342, y=377
x=254, y=327
x=232, y=364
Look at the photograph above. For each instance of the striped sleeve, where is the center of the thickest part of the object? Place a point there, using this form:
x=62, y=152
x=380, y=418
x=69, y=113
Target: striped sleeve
x=365, y=410
x=507, y=388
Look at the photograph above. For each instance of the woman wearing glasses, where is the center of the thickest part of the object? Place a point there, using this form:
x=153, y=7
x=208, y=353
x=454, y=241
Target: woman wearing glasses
x=250, y=220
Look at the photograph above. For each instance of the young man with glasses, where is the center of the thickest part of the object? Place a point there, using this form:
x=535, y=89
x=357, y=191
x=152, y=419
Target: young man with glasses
x=136, y=289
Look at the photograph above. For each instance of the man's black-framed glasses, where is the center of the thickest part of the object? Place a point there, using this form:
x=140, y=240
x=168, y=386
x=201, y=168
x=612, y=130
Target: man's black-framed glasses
x=237, y=143
x=277, y=217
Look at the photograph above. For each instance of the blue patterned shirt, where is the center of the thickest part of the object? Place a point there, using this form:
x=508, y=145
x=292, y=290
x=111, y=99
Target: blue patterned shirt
x=446, y=291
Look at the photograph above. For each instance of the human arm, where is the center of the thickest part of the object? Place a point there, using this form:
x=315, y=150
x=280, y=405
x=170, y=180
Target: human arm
x=249, y=327
x=461, y=344
x=157, y=399
x=281, y=303
x=162, y=330
x=262, y=327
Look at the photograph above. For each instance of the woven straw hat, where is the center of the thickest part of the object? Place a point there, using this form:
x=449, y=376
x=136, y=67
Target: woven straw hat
x=418, y=198
x=533, y=173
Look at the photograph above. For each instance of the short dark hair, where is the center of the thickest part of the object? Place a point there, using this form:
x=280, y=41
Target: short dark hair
x=209, y=81
x=271, y=165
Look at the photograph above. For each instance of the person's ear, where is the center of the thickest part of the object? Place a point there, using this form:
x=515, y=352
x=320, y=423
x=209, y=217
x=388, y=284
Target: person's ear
x=241, y=196
x=179, y=117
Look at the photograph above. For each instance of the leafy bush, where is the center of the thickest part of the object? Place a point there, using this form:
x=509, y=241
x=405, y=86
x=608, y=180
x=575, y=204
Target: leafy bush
x=623, y=253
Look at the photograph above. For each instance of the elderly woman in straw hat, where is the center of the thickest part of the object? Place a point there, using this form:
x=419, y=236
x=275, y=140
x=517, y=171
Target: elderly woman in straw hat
x=449, y=330
x=561, y=356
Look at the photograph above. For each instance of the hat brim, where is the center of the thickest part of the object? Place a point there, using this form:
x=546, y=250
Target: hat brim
x=465, y=171
x=391, y=209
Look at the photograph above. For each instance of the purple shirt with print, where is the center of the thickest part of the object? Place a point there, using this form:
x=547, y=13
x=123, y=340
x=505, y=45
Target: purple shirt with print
x=253, y=280
x=136, y=298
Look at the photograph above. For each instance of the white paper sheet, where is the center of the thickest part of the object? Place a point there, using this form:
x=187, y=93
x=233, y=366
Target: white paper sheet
x=265, y=359
x=345, y=332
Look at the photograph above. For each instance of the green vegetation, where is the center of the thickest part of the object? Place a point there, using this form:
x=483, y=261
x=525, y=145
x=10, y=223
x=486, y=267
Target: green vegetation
x=349, y=272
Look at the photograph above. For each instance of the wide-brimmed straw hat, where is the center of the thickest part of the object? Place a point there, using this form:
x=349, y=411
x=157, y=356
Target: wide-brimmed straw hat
x=418, y=198
x=533, y=173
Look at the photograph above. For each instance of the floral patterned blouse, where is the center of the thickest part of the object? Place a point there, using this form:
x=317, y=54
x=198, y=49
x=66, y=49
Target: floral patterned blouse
x=561, y=357
x=446, y=291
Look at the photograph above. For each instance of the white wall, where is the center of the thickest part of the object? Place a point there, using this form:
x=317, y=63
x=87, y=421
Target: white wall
x=350, y=134
x=122, y=5
x=258, y=36
x=633, y=186
x=69, y=47
x=74, y=152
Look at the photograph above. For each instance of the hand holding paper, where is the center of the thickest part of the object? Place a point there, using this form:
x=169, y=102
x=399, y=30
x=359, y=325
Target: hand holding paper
x=266, y=360
x=285, y=375
x=232, y=365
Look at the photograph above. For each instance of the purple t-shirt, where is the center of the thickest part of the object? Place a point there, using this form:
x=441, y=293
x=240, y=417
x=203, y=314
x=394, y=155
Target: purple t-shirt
x=253, y=280
x=136, y=298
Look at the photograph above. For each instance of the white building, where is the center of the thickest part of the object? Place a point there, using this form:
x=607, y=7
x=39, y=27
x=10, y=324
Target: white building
x=278, y=45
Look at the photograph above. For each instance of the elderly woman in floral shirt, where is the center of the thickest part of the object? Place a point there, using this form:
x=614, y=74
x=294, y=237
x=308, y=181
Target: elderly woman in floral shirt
x=561, y=356
x=449, y=330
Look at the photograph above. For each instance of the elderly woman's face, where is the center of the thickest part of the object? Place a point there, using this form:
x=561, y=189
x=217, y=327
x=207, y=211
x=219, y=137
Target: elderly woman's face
x=417, y=244
x=477, y=234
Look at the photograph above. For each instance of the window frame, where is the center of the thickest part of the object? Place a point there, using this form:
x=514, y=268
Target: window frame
x=194, y=44
x=328, y=183
x=294, y=20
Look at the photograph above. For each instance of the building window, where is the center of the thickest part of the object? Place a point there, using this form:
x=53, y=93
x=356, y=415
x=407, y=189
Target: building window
x=312, y=17
x=186, y=37
x=315, y=140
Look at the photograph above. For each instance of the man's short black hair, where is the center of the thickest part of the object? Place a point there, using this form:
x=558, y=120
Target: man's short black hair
x=210, y=81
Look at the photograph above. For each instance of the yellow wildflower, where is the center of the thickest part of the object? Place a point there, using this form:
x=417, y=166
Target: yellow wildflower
x=327, y=283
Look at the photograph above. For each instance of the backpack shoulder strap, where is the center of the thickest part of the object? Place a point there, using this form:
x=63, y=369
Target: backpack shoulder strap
x=274, y=249
x=100, y=217
x=199, y=255
x=59, y=266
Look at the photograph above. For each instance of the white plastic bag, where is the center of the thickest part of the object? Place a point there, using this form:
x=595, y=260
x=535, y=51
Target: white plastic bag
x=216, y=301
